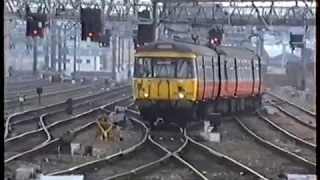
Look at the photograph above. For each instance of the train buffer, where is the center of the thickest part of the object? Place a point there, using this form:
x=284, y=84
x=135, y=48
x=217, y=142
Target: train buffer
x=106, y=129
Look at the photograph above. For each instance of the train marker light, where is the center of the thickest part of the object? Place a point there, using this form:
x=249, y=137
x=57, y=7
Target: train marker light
x=146, y=95
x=35, y=32
x=181, y=95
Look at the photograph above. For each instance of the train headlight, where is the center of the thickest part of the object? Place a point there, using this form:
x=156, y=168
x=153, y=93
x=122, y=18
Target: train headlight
x=181, y=95
x=146, y=95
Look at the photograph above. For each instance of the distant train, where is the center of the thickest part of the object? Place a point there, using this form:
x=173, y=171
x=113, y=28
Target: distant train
x=182, y=82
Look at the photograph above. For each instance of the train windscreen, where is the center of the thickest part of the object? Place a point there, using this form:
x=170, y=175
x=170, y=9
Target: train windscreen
x=163, y=68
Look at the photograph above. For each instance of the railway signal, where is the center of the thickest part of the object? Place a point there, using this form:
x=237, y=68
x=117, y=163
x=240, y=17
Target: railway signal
x=296, y=41
x=69, y=108
x=104, y=39
x=215, y=36
x=35, y=23
x=91, y=24
x=145, y=31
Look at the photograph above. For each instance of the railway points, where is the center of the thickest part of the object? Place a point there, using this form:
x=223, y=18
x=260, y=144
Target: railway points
x=22, y=130
x=82, y=122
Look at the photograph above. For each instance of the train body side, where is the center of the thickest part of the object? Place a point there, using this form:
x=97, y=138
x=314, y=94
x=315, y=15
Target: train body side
x=234, y=73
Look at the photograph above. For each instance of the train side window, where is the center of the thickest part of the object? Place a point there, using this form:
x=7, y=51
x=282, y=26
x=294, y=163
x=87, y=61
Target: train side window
x=245, y=70
x=230, y=70
x=222, y=71
x=249, y=70
x=256, y=68
x=216, y=69
x=239, y=66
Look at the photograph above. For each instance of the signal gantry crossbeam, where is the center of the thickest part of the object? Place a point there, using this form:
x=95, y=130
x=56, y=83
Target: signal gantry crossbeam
x=233, y=13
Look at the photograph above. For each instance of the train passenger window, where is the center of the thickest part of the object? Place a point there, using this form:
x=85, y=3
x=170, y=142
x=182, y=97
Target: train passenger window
x=200, y=75
x=240, y=70
x=230, y=70
x=216, y=69
x=249, y=70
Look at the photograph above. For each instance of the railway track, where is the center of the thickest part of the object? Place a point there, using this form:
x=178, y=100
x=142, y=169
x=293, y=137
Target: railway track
x=34, y=115
x=248, y=147
x=28, y=125
x=301, y=124
x=49, y=97
x=296, y=112
x=11, y=95
x=49, y=135
x=291, y=145
x=29, y=84
x=167, y=148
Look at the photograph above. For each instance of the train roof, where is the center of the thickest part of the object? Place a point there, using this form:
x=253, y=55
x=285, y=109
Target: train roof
x=168, y=45
x=236, y=52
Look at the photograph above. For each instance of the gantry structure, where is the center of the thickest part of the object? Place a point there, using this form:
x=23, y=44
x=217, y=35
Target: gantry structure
x=191, y=12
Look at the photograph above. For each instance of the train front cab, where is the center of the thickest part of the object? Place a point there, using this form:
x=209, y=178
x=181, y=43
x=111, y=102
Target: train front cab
x=165, y=85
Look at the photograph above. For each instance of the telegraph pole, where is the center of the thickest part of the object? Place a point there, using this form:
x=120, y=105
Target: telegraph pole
x=65, y=48
x=122, y=54
x=35, y=55
x=75, y=50
x=53, y=45
x=155, y=20
x=59, y=48
x=114, y=55
x=119, y=53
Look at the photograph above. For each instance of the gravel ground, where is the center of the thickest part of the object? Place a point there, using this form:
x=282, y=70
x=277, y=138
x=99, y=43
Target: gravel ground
x=211, y=166
x=271, y=134
x=33, y=140
x=292, y=126
x=243, y=148
x=169, y=171
x=304, y=103
x=126, y=163
x=57, y=98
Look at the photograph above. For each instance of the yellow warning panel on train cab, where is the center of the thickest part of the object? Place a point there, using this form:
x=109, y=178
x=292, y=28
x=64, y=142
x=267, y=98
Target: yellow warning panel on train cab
x=106, y=128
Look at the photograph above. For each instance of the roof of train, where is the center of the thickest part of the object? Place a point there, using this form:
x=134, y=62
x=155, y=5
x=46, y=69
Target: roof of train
x=236, y=52
x=179, y=47
x=231, y=52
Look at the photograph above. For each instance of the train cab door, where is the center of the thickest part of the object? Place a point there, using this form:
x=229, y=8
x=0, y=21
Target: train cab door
x=208, y=77
x=201, y=77
x=223, y=76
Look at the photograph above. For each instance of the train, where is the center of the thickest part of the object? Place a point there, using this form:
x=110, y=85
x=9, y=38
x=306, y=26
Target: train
x=182, y=82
